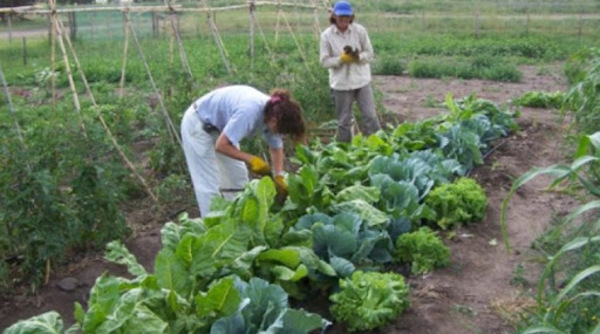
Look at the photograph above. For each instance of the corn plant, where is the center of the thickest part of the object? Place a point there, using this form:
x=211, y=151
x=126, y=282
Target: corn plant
x=561, y=310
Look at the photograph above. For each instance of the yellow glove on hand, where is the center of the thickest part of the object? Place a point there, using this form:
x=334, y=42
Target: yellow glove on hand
x=346, y=58
x=259, y=166
x=281, y=185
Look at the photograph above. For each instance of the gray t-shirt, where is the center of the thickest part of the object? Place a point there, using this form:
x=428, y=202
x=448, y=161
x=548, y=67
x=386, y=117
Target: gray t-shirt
x=238, y=112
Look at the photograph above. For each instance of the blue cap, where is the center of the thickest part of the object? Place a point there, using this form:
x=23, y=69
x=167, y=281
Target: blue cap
x=343, y=8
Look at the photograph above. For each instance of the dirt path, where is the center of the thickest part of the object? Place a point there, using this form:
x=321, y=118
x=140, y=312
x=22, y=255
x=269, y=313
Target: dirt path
x=474, y=294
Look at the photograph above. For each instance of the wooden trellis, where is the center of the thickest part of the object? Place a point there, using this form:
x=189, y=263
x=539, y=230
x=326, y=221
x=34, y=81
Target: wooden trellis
x=58, y=36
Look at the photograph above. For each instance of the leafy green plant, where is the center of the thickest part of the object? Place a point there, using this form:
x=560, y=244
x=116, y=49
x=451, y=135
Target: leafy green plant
x=389, y=65
x=583, y=97
x=463, y=201
x=423, y=250
x=369, y=300
x=541, y=100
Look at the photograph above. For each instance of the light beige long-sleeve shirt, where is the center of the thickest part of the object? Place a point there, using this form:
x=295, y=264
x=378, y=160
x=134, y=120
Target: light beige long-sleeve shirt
x=346, y=76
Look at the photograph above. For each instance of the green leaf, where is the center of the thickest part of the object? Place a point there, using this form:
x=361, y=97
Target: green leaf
x=364, y=210
x=570, y=246
x=46, y=323
x=293, y=274
x=368, y=194
x=222, y=298
x=343, y=268
x=287, y=256
x=301, y=322
x=574, y=282
x=119, y=254
x=172, y=273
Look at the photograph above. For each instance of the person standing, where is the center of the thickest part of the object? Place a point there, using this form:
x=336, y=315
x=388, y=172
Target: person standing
x=346, y=52
x=211, y=131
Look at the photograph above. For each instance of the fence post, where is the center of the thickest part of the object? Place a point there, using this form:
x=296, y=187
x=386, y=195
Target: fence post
x=24, y=51
x=580, y=26
x=154, y=24
x=527, y=26
x=72, y=26
x=93, y=14
x=9, y=27
x=108, y=28
x=477, y=23
x=251, y=9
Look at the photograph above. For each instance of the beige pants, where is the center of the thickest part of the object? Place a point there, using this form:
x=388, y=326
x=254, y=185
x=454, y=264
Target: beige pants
x=343, y=107
x=210, y=171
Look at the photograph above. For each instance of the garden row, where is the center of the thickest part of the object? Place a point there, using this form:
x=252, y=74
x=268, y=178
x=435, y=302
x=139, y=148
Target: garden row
x=352, y=210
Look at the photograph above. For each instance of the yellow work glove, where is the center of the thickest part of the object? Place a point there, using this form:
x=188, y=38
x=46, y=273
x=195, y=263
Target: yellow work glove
x=281, y=185
x=346, y=58
x=259, y=166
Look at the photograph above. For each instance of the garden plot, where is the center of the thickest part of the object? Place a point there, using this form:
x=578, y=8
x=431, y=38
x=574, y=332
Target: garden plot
x=466, y=296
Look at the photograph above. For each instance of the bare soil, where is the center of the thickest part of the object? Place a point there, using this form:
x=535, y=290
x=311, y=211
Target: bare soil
x=472, y=295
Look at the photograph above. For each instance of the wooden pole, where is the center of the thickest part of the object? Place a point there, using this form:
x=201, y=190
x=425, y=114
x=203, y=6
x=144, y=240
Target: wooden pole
x=527, y=25
x=93, y=28
x=125, y=47
x=107, y=129
x=278, y=19
x=580, y=26
x=251, y=10
x=9, y=16
x=52, y=39
x=59, y=35
x=24, y=51
x=287, y=23
x=177, y=37
x=170, y=127
x=476, y=23
x=13, y=112
x=108, y=28
x=72, y=25
x=218, y=41
x=316, y=26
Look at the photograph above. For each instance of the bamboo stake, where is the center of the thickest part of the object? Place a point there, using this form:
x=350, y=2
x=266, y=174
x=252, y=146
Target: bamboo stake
x=218, y=41
x=252, y=20
x=170, y=127
x=316, y=25
x=171, y=48
x=175, y=30
x=13, y=112
x=107, y=129
x=278, y=19
x=52, y=35
x=125, y=49
x=271, y=55
x=59, y=34
x=298, y=45
x=146, y=9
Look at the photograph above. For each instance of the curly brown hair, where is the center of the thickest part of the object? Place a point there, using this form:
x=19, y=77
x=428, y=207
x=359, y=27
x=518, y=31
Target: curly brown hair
x=288, y=114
